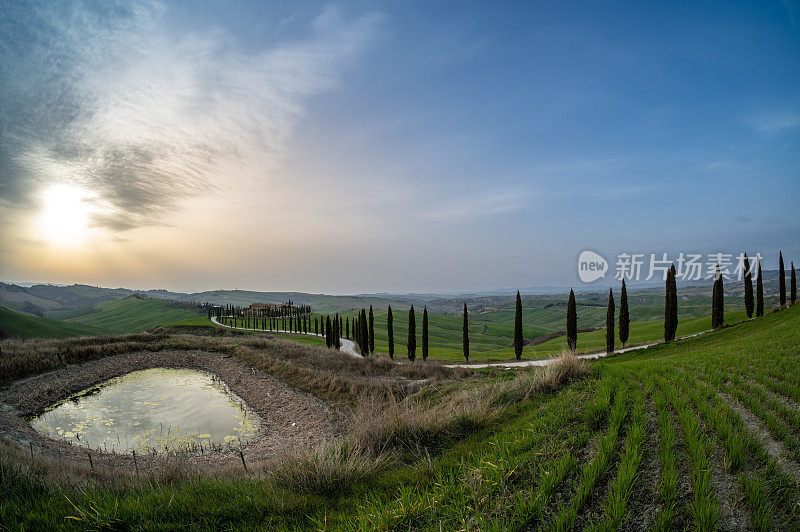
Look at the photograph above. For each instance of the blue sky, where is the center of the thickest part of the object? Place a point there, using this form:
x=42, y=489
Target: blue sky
x=398, y=146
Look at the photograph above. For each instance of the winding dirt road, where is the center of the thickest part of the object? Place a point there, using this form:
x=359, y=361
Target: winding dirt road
x=546, y=361
x=348, y=346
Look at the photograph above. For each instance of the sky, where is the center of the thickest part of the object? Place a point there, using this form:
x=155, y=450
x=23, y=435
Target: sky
x=408, y=146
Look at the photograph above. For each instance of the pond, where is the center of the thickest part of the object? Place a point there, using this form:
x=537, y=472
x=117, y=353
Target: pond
x=152, y=410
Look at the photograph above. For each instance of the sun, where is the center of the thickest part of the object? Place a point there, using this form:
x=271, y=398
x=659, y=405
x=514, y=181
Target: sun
x=64, y=219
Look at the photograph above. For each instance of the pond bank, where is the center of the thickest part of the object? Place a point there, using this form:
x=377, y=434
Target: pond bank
x=291, y=419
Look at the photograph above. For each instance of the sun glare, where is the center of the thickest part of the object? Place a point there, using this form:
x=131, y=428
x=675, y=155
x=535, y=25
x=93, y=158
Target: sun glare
x=65, y=214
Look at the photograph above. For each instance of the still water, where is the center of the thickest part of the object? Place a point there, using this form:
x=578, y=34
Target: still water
x=155, y=409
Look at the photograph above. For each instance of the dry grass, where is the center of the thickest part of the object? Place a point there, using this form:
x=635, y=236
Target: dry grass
x=417, y=423
x=23, y=358
x=106, y=470
x=383, y=429
x=332, y=468
x=566, y=369
x=388, y=420
x=327, y=374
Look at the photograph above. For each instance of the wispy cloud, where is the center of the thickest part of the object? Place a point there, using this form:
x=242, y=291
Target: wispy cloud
x=776, y=123
x=106, y=97
x=790, y=9
x=477, y=205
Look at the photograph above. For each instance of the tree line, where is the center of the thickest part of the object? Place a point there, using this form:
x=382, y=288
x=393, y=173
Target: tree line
x=753, y=303
x=361, y=328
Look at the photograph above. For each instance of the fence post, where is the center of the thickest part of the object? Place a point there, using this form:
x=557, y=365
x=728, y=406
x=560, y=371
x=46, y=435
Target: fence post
x=241, y=455
x=135, y=464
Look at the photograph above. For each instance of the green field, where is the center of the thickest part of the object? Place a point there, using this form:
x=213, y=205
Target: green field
x=648, y=443
x=131, y=315
x=698, y=434
x=641, y=332
x=492, y=342
x=490, y=325
x=35, y=327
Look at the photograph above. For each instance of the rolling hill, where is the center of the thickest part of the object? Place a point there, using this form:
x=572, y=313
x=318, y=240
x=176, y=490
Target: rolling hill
x=129, y=315
x=16, y=324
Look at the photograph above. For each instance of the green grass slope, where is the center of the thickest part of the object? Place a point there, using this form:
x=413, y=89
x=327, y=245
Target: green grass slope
x=641, y=332
x=493, y=341
x=700, y=434
x=35, y=327
x=132, y=315
x=695, y=414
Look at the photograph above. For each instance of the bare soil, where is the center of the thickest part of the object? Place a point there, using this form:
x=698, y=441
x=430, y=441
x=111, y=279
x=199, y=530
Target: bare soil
x=643, y=504
x=683, y=489
x=733, y=513
x=759, y=429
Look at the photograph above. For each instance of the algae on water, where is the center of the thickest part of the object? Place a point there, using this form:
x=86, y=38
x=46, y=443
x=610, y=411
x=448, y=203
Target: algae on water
x=152, y=410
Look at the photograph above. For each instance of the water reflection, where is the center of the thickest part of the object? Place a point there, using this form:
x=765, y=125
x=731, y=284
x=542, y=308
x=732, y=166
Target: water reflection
x=154, y=409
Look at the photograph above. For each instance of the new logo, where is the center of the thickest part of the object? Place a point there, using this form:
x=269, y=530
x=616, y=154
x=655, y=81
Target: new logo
x=591, y=266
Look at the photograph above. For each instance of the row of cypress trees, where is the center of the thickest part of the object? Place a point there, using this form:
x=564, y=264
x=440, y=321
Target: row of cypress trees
x=624, y=319
x=782, y=282
x=671, y=303
x=759, y=297
x=717, y=294
x=363, y=327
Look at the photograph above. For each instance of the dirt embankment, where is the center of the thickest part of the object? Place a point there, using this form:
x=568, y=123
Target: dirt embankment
x=290, y=418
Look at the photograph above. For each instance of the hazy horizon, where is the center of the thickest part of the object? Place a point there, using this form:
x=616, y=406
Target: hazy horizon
x=367, y=147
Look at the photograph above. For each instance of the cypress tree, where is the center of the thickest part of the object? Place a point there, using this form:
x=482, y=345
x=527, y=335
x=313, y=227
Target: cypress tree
x=759, y=290
x=781, y=279
x=518, y=339
x=674, y=301
x=624, y=316
x=390, y=332
x=412, y=335
x=748, y=288
x=721, y=301
x=425, y=333
x=667, y=308
x=465, y=334
x=357, y=330
x=572, y=322
x=362, y=346
x=337, y=340
x=347, y=328
x=714, y=323
x=316, y=326
x=371, y=331
x=610, y=323
x=328, y=332
x=793, y=287
x=364, y=333
x=717, y=302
